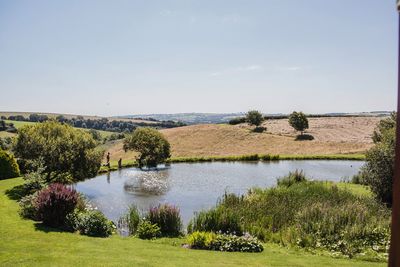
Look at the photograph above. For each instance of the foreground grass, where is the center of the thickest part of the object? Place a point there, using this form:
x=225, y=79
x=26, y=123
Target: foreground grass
x=26, y=243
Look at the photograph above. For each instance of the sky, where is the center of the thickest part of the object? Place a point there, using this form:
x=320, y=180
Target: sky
x=136, y=57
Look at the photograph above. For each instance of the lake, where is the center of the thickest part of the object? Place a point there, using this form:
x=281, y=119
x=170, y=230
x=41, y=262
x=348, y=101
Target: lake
x=196, y=186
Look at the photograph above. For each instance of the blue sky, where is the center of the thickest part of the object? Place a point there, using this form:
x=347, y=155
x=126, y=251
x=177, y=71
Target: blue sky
x=132, y=57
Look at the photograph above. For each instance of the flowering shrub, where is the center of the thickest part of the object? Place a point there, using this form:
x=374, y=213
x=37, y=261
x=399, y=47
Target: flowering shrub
x=91, y=223
x=224, y=242
x=28, y=207
x=245, y=243
x=147, y=230
x=167, y=218
x=54, y=203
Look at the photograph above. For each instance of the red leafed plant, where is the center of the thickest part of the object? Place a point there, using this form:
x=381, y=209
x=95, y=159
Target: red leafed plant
x=54, y=203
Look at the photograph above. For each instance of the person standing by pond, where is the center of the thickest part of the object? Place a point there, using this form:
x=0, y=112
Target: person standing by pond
x=108, y=159
x=120, y=163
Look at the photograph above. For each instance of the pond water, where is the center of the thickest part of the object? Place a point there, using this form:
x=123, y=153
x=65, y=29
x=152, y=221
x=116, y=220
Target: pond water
x=197, y=186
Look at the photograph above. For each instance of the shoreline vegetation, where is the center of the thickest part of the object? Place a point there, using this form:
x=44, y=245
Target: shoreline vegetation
x=239, y=158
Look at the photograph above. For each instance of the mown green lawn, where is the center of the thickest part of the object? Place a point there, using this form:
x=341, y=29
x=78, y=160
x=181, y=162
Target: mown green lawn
x=26, y=243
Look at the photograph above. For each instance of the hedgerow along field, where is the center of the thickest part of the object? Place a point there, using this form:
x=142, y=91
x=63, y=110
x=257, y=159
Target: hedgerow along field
x=28, y=243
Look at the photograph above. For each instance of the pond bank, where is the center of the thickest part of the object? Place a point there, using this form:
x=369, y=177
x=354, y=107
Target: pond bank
x=253, y=157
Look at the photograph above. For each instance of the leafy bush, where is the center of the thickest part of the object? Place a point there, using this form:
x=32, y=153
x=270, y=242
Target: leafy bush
x=259, y=129
x=94, y=223
x=167, y=218
x=28, y=207
x=152, y=146
x=200, y=240
x=231, y=243
x=216, y=220
x=254, y=117
x=298, y=121
x=54, y=203
x=224, y=242
x=238, y=120
x=8, y=166
x=292, y=178
x=147, y=230
x=62, y=148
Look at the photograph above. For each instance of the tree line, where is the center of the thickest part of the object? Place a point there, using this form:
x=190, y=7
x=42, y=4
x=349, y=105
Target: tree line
x=103, y=124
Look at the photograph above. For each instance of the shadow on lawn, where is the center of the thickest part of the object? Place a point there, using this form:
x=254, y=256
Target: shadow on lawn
x=16, y=193
x=41, y=227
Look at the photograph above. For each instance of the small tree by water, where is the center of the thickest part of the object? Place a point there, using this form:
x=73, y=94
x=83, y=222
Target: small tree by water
x=298, y=121
x=152, y=146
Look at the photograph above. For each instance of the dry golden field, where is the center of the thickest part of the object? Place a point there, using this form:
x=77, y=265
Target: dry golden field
x=337, y=135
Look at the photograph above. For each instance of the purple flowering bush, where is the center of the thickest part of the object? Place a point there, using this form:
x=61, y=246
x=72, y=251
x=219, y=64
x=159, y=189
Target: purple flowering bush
x=54, y=203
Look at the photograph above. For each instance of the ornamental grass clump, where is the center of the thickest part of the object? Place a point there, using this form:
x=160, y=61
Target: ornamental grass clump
x=54, y=203
x=166, y=217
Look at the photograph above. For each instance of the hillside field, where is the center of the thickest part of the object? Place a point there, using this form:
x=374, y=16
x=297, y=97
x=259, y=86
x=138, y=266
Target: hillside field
x=336, y=135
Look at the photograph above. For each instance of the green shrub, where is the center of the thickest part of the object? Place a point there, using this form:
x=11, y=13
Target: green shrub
x=8, y=166
x=94, y=223
x=224, y=242
x=28, y=207
x=238, y=120
x=200, y=240
x=232, y=243
x=254, y=117
x=292, y=178
x=147, y=230
x=167, y=218
x=259, y=129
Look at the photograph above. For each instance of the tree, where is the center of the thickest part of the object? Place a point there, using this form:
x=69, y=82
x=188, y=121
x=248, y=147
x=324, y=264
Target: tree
x=65, y=151
x=8, y=166
x=254, y=117
x=298, y=121
x=378, y=170
x=152, y=146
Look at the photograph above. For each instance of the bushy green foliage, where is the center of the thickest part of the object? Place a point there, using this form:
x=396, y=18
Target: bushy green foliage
x=298, y=121
x=224, y=242
x=8, y=166
x=153, y=147
x=306, y=214
x=234, y=243
x=94, y=223
x=167, y=217
x=292, y=178
x=54, y=203
x=200, y=240
x=63, y=149
x=254, y=117
x=28, y=207
x=259, y=129
x=378, y=170
x=148, y=230
x=6, y=143
x=238, y=120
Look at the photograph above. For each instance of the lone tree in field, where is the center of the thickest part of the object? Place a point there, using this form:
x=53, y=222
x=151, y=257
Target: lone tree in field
x=298, y=121
x=68, y=154
x=254, y=117
x=152, y=146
